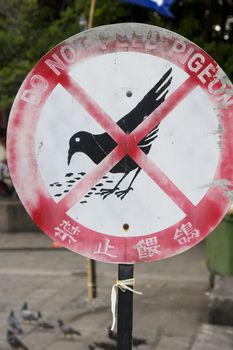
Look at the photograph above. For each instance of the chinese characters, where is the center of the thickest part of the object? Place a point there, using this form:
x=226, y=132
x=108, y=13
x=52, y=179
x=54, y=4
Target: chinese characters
x=186, y=233
x=105, y=249
x=148, y=247
x=67, y=232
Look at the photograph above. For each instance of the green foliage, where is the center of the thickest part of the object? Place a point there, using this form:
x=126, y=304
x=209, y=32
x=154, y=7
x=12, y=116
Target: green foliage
x=222, y=52
x=29, y=28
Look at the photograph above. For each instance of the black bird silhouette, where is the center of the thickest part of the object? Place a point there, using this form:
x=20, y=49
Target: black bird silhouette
x=14, y=323
x=67, y=330
x=14, y=342
x=97, y=147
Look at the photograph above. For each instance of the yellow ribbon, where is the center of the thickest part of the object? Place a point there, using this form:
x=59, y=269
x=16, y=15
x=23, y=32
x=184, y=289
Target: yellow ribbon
x=123, y=285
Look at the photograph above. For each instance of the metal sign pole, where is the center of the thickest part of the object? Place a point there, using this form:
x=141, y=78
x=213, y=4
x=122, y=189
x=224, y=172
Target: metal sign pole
x=125, y=310
x=91, y=264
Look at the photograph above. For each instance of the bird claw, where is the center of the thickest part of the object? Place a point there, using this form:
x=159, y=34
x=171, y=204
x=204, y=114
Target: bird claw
x=121, y=194
x=105, y=192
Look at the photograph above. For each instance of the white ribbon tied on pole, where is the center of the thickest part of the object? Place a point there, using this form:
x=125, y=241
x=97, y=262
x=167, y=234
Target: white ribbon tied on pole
x=123, y=285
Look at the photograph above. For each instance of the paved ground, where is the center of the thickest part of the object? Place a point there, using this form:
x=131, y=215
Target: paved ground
x=168, y=314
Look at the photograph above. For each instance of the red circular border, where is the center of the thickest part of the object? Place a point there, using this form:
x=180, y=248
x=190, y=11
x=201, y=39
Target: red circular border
x=34, y=195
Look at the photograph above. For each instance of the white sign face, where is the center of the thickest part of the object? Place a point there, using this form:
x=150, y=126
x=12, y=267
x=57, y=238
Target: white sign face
x=109, y=79
x=128, y=143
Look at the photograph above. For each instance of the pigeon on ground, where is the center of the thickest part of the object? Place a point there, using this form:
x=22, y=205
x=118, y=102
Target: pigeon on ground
x=98, y=146
x=135, y=341
x=13, y=341
x=14, y=323
x=67, y=330
x=102, y=345
x=27, y=315
x=138, y=341
x=42, y=323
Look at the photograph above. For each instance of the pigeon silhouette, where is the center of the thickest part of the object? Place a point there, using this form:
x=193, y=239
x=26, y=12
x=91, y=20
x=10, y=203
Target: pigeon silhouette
x=42, y=324
x=98, y=146
x=102, y=345
x=13, y=341
x=27, y=314
x=14, y=323
x=67, y=330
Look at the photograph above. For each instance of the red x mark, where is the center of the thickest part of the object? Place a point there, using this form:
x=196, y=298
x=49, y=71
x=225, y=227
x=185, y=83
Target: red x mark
x=127, y=144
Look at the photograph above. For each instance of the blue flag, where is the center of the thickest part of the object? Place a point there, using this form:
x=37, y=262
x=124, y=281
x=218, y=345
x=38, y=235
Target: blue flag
x=160, y=6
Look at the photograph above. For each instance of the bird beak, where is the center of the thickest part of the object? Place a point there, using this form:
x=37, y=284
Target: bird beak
x=70, y=154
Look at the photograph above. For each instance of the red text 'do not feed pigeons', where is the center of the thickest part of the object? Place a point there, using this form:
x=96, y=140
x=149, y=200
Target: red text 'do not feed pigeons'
x=98, y=146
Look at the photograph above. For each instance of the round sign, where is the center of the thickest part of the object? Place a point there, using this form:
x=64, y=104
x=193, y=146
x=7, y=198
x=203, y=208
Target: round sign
x=120, y=143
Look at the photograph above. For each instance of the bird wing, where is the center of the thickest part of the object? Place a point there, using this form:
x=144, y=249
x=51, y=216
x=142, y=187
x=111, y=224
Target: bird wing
x=149, y=138
x=147, y=105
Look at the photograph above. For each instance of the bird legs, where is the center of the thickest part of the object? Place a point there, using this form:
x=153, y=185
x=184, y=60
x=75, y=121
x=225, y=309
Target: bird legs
x=121, y=194
x=105, y=192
